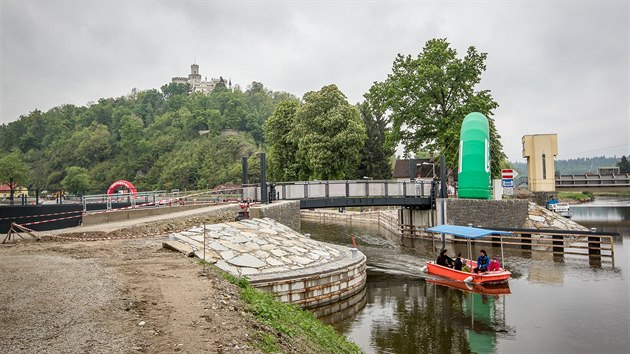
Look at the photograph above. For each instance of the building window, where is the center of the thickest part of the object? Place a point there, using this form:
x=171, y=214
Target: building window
x=544, y=167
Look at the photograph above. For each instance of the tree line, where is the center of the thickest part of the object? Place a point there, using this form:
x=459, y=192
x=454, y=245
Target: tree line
x=171, y=138
x=581, y=165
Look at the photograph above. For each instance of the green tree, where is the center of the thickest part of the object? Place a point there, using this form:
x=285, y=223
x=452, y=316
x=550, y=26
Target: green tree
x=377, y=149
x=77, y=180
x=329, y=134
x=281, y=145
x=624, y=165
x=13, y=171
x=172, y=89
x=428, y=97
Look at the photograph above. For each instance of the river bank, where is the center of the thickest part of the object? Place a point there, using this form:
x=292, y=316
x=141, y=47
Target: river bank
x=134, y=296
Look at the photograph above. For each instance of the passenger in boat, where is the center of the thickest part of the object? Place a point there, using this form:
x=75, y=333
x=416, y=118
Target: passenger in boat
x=444, y=260
x=458, y=261
x=494, y=265
x=465, y=267
x=482, y=262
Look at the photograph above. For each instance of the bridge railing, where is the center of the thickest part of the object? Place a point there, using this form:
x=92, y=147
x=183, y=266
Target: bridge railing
x=593, y=180
x=339, y=189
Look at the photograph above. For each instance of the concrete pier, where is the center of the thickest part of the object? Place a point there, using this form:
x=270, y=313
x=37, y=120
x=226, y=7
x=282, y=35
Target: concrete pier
x=278, y=259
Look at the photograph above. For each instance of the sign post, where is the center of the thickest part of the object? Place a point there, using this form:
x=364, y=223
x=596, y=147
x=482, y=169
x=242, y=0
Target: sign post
x=507, y=180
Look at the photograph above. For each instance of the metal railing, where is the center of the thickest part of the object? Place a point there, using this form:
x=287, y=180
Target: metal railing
x=153, y=198
x=618, y=180
x=340, y=189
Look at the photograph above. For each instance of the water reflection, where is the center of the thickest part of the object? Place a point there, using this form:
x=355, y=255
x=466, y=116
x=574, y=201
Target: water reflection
x=407, y=315
x=423, y=317
x=603, y=210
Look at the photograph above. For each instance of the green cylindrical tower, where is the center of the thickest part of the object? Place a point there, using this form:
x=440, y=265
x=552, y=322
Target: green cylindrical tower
x=474, y=158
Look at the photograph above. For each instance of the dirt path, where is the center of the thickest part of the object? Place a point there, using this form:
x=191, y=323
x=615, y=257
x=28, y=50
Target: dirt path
x=116, y=296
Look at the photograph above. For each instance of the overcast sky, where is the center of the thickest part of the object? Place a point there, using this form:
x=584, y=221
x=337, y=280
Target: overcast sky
x=553, y=66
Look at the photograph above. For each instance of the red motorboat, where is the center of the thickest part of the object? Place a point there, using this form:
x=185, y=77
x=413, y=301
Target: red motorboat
x=499, y=276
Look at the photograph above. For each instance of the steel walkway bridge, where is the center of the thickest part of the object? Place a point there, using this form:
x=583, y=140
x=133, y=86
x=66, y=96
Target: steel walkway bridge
x=353, y=193
x=593, y=183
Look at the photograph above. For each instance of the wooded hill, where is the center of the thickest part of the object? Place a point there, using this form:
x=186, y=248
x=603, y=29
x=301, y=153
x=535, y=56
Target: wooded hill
x=156, y=139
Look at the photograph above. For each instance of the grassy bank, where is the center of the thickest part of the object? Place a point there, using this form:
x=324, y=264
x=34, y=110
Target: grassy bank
x=303, y=332
x=580, y=197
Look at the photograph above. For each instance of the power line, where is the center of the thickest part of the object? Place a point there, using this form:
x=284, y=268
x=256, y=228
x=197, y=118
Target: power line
x=599, y=149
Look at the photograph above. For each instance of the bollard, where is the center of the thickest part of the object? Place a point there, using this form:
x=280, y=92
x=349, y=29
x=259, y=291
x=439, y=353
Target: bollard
x=594, y=244
x=558, y=244
x=527, y=241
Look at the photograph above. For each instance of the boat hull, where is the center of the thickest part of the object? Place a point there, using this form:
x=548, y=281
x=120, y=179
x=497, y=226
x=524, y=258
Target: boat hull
x=486, y=277
x=478, y=288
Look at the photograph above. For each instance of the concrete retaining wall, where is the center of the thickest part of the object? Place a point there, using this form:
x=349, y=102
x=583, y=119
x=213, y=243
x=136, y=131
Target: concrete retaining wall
x=284, y=212
x=319, y=286
x=121, y=215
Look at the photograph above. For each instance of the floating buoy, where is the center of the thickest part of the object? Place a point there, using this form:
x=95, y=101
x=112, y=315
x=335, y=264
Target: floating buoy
x=468, y=280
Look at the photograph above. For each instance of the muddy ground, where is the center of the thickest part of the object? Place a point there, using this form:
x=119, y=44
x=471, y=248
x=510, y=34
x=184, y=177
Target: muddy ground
x=116, y=296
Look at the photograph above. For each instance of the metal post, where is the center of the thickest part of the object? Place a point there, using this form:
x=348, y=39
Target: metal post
x=443, y=177
x=11, y=190
x=502, y=258
x=264, y=196
x=37, y=196
x=443, y=223
x=245, y=176
x=204, y=248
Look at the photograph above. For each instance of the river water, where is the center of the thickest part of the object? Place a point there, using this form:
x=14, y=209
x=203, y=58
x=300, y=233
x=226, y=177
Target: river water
x=552, y=305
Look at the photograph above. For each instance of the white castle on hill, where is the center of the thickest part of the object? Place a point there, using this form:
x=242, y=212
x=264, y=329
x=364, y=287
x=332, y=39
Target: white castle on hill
x=195, y=82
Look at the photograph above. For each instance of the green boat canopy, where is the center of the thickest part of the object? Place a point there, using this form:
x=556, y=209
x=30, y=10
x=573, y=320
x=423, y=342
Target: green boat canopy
x=465, y=231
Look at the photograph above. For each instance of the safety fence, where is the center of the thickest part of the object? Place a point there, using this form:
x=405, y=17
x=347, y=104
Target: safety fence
x=558, y=242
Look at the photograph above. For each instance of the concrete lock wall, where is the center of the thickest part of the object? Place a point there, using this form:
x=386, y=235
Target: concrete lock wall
x=121, y=215
x=322, y=286
x=285, y=212
x=418, y=218
x=485, y=213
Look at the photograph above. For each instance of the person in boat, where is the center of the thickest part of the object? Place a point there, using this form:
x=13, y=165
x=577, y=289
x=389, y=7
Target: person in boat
x=482, y=262
x=458, y=262
x=465, y=267
x=494, y=265
x=444, y=260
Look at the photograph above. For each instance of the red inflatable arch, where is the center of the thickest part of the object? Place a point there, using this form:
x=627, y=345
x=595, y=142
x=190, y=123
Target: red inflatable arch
x=122, y=183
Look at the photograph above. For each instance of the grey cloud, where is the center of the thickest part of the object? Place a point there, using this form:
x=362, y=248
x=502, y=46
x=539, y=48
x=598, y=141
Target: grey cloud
x=553, y=67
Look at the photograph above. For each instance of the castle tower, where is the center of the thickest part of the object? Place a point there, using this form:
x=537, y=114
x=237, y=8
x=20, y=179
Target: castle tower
x=194, y=73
